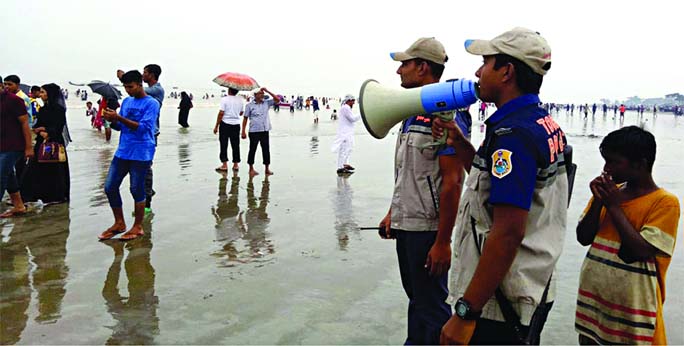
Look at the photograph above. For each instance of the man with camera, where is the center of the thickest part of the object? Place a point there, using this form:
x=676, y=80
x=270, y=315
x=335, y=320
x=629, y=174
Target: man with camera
x=512, y=220
x=427, y=188
x=155, y=90
x=137, y=122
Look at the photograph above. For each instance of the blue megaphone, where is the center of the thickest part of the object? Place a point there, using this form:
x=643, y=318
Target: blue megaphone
x=382, y=107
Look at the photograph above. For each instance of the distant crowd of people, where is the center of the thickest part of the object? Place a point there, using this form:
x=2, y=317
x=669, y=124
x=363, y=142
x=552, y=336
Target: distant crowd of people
x=614, y=108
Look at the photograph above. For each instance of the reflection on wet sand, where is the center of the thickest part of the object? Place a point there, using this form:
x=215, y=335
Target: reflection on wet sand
x=344, y=213
x=32, y=259
x=229, y=222
x=257, y=220
x=242, y=234
x=135, y=316
x=313, y=146
x=184, y=160
x=97, y=195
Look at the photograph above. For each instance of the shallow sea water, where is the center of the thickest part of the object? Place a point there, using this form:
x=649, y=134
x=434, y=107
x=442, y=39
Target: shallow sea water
x=233, y=260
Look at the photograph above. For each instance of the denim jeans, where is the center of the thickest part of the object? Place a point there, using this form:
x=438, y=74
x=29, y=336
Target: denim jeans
x=8, y=177
x=118, y=171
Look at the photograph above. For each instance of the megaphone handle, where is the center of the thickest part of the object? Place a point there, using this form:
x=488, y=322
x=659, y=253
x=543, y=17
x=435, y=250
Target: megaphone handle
x=442, y=141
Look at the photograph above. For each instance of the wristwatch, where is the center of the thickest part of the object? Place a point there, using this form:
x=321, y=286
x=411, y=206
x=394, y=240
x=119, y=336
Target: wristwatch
x=464, y=311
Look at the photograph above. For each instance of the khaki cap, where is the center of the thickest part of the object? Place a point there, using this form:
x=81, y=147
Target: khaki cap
x=523, y=44
x=427, y=48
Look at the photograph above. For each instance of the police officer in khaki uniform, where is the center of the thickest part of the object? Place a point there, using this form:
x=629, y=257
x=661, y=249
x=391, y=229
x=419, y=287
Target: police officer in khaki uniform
x=427, y=188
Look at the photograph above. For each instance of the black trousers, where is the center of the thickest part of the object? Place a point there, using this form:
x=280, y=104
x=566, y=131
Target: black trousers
x=232, y=133
x=254, y=139
x=427, y=309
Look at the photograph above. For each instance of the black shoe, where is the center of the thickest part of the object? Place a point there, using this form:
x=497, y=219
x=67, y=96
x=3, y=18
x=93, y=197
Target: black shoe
x=349, y=168
x=344, y=171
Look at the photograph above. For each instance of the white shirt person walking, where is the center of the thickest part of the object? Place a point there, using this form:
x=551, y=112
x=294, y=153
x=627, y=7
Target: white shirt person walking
x=345, y=135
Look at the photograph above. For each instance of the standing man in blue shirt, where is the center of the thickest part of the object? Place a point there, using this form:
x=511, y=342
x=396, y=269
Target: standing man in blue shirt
x=137, y=123
x=259, y=125
x=154, y=89
x=512, y=218
x=427, y=190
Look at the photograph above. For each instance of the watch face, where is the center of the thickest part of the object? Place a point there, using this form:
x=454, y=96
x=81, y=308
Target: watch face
x=461, y=310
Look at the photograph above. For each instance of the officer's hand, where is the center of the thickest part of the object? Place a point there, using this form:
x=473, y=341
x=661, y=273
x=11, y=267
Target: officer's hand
x=438, y=259
x=457, y=331
x=454, y=133
x=385, y=225
x=438, y=128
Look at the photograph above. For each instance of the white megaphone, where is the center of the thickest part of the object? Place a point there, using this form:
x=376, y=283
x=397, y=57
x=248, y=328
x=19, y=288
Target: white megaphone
x=382, y=107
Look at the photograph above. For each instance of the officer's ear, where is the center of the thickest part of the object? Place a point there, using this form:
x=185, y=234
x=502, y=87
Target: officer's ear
x=509, y=73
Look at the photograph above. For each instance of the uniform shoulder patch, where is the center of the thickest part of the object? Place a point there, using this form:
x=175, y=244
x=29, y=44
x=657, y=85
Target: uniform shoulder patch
x=501, y=163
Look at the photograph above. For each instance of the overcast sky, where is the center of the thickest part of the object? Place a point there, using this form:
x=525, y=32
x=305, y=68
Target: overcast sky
x=601, y=49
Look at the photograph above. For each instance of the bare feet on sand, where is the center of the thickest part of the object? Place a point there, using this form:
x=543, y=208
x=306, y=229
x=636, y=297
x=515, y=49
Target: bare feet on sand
x=253, y=173
x=269, y=172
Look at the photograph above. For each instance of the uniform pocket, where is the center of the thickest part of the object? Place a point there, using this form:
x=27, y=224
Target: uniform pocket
x=478, y=184
x=420, y=145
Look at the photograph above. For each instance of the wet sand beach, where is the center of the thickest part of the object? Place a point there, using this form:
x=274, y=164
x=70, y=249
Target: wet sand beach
x=269, y=260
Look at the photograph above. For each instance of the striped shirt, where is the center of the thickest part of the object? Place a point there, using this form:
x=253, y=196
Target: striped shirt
x=619, y=302
x=257, y=113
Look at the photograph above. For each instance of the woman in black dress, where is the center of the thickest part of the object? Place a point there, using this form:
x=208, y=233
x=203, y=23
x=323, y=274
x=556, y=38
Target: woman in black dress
x=184, y=106
x=48, y=182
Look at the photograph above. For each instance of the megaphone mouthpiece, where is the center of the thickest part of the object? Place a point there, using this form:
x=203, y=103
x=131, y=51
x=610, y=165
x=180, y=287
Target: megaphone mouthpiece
x=440, y=97
x=382, y=107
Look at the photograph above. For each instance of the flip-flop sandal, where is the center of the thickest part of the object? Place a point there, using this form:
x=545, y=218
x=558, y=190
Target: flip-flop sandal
x=134, y=236
x=10, y=213
x=112, y=233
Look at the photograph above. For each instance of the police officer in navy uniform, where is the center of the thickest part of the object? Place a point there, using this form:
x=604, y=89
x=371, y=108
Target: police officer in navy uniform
x=511, y=221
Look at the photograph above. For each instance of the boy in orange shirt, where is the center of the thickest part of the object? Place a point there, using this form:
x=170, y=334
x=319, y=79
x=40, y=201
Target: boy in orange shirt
x=631, y=225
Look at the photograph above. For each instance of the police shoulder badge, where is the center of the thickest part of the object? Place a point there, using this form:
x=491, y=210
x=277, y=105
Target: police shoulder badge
x=501, y=163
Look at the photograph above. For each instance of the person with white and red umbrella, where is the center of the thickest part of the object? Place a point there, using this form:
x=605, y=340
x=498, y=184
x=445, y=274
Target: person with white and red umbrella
x=228, y=119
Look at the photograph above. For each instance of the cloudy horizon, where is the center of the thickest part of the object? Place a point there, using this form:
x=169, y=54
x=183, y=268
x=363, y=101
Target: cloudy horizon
x=600, y=51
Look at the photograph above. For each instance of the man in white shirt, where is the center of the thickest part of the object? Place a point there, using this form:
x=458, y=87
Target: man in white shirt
x=345, y=135
x=228, y=128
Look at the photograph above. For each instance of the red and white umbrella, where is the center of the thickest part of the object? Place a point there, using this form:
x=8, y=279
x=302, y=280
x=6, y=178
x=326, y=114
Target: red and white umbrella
x=237, y=81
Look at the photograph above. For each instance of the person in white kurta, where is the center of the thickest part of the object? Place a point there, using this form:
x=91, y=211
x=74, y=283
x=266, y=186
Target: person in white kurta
x=345, y=135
